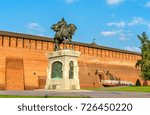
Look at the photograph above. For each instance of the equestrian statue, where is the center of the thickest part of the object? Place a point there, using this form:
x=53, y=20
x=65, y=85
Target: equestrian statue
x=64, y=32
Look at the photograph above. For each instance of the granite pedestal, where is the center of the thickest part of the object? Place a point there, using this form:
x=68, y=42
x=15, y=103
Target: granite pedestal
x=62, y=71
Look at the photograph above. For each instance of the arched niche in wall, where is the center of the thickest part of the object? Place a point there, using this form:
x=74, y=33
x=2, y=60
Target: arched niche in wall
x=71, y=70
x=56, y=70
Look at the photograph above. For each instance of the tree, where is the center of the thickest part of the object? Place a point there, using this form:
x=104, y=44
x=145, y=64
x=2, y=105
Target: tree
x=144, y=62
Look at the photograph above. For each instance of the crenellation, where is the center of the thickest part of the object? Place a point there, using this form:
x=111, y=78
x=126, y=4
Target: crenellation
x=39, y=45
x=95, y=52
x=33, y=45
x=117, y=55
x=26, y=43
x=67, y=45
x=6, y=41
x=103, y=53
x=123, y=55
x=120, y=55
x=86, y=50
x=131, y=57
x=1, y=40
x=13, y=42
x=99, y=52
x=90, y=51
x=134, y=57
x=107, y=53
x=76, y=48
x=50, y=46
x=82, y=49
x=127, y=56
x=44, y=45
x=70, y=46
x=61, y=46
x=113, y=54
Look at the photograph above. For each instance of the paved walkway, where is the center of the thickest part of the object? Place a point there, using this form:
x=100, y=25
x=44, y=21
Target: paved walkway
x=94, y=94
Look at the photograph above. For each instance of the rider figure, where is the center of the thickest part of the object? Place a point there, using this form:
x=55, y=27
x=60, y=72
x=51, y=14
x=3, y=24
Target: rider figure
x=61, y=25
x=63, y=32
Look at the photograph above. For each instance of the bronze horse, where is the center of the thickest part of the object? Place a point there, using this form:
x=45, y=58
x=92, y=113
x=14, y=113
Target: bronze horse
x=63, y=32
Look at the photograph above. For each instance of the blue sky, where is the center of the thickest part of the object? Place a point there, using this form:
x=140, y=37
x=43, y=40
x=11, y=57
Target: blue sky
x=113, y=23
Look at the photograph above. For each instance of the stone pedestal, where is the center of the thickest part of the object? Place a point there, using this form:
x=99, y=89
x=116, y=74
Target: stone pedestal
x=62, y=72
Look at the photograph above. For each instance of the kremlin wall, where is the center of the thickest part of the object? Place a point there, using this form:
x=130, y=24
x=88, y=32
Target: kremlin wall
x=23, y=62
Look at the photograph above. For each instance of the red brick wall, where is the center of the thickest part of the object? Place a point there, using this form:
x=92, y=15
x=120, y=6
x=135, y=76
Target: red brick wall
x=121, y=68
x=14, y=74
x=35, y=61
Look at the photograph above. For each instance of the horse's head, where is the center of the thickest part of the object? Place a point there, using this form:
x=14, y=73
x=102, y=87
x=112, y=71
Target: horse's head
x=54, y=27
x=72, y=28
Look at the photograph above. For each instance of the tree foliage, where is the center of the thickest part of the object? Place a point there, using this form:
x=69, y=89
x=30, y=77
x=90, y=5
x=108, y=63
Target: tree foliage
x=144, y=62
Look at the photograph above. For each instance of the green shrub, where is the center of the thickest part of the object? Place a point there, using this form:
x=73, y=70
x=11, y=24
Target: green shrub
x=138, y=83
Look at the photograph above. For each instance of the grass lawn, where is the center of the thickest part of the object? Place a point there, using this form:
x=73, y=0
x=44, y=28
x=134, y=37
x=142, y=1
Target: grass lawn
x=14, y=96
x=126, y=88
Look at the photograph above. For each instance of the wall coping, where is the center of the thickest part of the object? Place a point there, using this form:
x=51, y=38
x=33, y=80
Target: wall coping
x=35, y=37
x=62, y=53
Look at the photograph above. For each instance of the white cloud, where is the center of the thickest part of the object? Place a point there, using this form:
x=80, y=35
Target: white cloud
x=70, y=1
x=132, y=48
x=137, y=21
x=125, y=35
x=120, y=24
x=114, y=2
x=109, y=33
x=147, y=4
x=35, y=26
x=120, y=34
